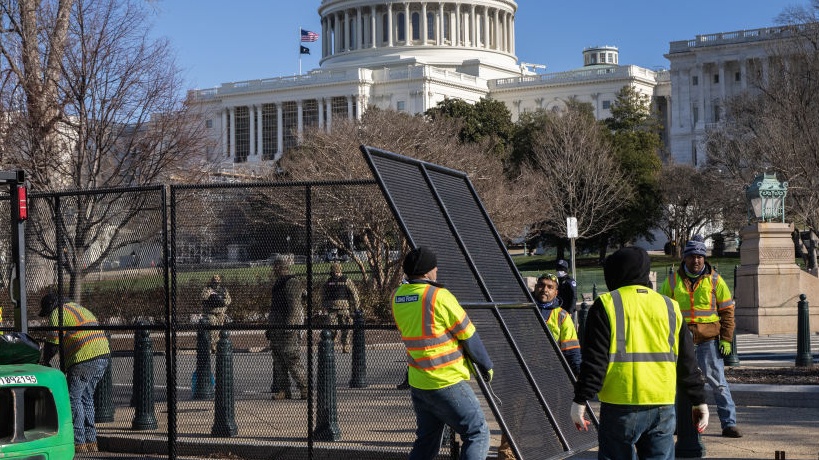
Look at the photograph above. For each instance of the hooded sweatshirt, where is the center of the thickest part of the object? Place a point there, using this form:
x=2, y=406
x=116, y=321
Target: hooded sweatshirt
x=627, y=267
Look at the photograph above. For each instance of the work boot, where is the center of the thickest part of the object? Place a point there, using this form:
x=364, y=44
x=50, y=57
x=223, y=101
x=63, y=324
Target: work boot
x=279, y=396
x=731, y=432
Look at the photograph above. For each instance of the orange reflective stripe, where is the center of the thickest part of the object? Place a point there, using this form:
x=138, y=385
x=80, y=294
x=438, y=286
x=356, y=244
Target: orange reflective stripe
x=569, y=344
x=435, y=362
x=423, y=343
x=73, y=344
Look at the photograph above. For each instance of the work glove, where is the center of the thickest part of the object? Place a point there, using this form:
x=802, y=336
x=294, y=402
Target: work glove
x=725, y=347
x=699, y=414
x=580, y=422
x=487, y=375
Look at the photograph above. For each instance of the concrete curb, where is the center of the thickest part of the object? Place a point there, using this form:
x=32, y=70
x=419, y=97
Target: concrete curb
x=750, y=394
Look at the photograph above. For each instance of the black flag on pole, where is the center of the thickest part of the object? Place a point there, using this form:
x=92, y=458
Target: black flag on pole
x=304, y=50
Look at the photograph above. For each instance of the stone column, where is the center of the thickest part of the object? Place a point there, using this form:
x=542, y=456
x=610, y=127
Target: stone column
x=721, y=73
x=456, y=39
x=329, y=114
x=299, y=118
x=232, y=153
x=347, y=37
x=251, y=119
x=359, y=29
x=279, y=129
x=743, y=73
x=349, y=107
x=497, y=30
x=407, y=25
x=700, y=94
x=769, y=282
x=439, y=29
x=389, y=25
x=225, y=132
x=512, y=34
x=320, y=102
x=485, y=31
x=260, y=131
x=373, y=27
x=473, y=25
x=424, y=24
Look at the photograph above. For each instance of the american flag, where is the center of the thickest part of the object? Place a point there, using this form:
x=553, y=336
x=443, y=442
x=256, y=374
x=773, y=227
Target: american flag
x=308, y=36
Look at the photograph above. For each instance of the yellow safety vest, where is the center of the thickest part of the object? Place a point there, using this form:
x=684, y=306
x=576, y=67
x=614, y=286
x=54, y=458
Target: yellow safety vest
x=643, y=351
x=432, y=323
x=562, y=330
x=700, y=304
x=80, y=345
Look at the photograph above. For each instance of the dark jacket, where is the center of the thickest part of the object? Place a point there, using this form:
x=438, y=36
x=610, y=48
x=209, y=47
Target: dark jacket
x=633, y=269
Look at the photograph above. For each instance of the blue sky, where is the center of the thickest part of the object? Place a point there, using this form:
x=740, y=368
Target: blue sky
x=218, y=41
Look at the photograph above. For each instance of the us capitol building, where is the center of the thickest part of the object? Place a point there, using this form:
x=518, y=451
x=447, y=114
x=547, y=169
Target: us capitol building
x=409, y=56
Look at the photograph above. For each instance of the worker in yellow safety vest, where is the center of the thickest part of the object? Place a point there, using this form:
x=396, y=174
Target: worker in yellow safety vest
x=636, y=353
x=87, y=355
x=708, y=308
x=440, y=341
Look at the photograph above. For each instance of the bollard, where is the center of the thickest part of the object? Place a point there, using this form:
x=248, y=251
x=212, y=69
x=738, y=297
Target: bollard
x=202, y=379
x=224, y=408
x=804, y=358
x=104, y=397
x=326, y=415
x=582, y=314
x=689, y=443
x=144, y=415
x=358, y=378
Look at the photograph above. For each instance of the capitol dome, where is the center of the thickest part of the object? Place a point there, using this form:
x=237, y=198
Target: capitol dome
x=475, y=37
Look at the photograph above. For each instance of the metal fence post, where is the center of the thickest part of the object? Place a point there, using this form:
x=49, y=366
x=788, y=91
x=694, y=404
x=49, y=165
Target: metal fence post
x=804, y=358
x=327, y=416
x=202, y=377
x=582, y=314
x=358, y=377
x=224, y=410
x=144, y=414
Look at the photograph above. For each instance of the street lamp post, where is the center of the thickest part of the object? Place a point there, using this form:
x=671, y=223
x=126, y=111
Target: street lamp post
x=766, y=199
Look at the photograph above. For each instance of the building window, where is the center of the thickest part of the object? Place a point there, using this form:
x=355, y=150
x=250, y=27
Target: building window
x=416, y=26
x=695, y=112
x=242, y=134
x=290, y=125
x=606, y=105
x=270, y=131
x=309, y=113
x=447, y=35
x=695, y=80
x=351, y=26
x=430, y=26
x=401, y=29
x=385, y=28
x=716, y=78
x=339, y=108
x=737, y=76
x=400, y=106
x=209, y=123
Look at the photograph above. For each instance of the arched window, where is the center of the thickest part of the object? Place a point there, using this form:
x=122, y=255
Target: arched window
x=385, y=28
x=447, y=35
x=416, y=26
x=402, y=35
x=431, y=26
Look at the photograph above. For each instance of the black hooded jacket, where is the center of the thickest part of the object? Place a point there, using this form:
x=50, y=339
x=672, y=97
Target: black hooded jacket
x=627, y=267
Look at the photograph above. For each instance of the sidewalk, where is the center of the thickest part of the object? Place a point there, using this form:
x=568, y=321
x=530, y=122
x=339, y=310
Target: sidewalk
x=771, y=417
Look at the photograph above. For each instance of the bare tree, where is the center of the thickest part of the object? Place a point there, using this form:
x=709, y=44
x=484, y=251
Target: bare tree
x=118, y=121
x=772, y=127
x=575, y=174
x=690, y=203
x=335, y=155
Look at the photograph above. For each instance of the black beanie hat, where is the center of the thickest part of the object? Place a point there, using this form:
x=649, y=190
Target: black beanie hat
x=419, y=261
x=626, y=267
x=48, y=303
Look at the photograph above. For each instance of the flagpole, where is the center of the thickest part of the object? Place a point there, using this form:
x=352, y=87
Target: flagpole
x=299, y=50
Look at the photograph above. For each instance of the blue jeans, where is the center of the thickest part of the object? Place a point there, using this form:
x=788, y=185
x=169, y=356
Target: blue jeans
x=82, y=380
x=713, y=369
x=456, y=406
x=630, y=432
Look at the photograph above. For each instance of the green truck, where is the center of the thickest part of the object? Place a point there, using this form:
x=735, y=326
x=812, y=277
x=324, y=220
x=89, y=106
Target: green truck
x=35, y=413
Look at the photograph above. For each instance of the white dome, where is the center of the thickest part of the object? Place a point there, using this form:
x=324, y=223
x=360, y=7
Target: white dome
x=370, y=33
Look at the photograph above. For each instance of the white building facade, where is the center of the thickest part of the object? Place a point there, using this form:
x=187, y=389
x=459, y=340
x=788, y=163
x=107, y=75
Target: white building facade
x=706, y=71
x=406, y=56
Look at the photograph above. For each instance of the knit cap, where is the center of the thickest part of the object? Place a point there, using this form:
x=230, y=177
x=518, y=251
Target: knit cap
x=696, y=247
